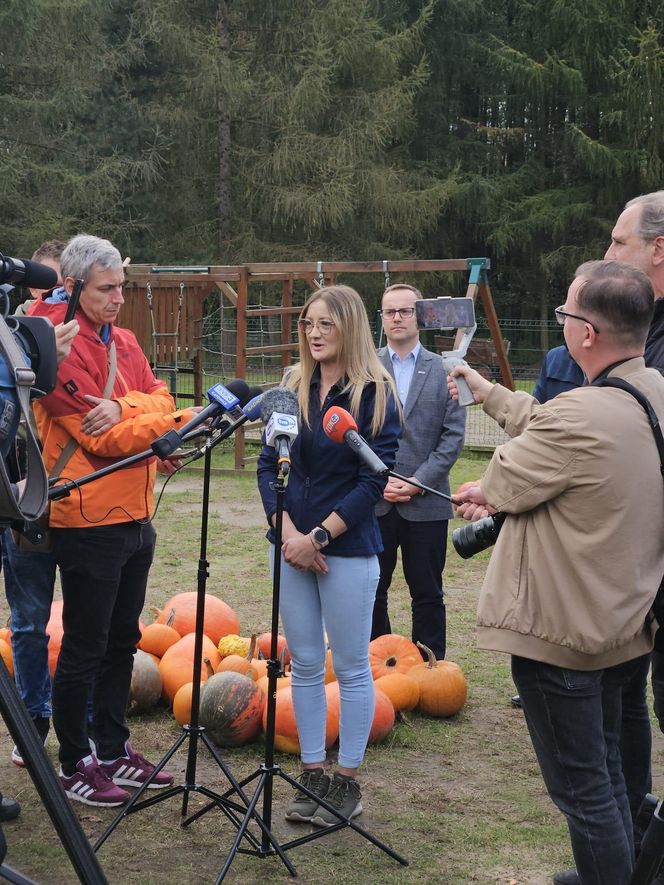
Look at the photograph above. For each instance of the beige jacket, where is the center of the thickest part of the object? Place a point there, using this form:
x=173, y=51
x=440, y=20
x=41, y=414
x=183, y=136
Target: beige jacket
x=575, y=569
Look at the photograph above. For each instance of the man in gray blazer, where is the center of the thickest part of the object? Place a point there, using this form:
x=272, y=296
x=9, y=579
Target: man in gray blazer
x=431, y=442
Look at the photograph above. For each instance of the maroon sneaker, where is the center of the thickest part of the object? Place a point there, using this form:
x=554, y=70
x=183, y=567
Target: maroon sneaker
x=89, y=784
x=133, y=770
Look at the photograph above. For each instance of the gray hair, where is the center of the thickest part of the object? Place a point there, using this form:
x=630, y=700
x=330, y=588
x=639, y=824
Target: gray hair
x=651, y=222
x=83, y=252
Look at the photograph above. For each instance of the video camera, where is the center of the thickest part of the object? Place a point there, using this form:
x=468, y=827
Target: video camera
x=28, y=368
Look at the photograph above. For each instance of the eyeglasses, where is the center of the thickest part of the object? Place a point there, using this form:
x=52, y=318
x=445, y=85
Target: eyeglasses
x=561, y=316
x=323, y=326
x=404, y=312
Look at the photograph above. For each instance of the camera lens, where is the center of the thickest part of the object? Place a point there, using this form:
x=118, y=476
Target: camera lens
x=477, y=536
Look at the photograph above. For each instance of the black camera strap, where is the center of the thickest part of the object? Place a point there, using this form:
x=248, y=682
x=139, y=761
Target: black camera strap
x=34, y=497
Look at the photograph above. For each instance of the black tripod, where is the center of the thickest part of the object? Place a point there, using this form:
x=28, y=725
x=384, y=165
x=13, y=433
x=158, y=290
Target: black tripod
x=266, y=773
x=193, y=733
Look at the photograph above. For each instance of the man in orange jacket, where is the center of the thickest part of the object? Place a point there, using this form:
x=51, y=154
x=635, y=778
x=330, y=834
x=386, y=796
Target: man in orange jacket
x=107, y=404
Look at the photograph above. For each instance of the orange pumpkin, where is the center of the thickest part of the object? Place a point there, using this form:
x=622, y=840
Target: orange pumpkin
x=403, y=691
x=264, y=643
x=231, y=709
x=286, y=738
x=392, y=653
x=330, y=675
x=282, y=682
x=239, y=663
x=55, y=632
x=176, y=666
x=220, y=619
x=383, y=718
x=443, y=687
x=158, y=638
x=182, y=703
x=7, y=657
x=6, y=634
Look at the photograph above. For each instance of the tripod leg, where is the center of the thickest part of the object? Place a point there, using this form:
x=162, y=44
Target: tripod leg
x=47, y=783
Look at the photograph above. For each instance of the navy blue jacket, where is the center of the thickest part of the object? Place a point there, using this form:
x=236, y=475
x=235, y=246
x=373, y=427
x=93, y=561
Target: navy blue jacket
x=558, y=374
x=326, y=476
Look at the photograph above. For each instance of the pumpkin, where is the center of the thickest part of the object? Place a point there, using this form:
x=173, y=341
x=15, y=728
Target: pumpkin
x=145, y=688
x=285, y=734
x=240, y=664
x=176, y=666
x=231, y=709
x=443, y=687
x=403, y=691
x=392, y=653
x=330, y=675
x=6, y=634
x=233, y=645
x=265, y=644
x=220, y=619
x=183, y=696
x=282, y=682
x=55, y=632
x=383, y=718
x=7, y=656
x=158, y=638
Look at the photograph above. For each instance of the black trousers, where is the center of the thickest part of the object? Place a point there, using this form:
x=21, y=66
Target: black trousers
x=104, y=573
x=423, y=549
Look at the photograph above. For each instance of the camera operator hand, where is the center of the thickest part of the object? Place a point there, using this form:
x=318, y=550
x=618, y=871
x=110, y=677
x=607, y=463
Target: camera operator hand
x=479, y=386
x=473, y=505
x=64, y=335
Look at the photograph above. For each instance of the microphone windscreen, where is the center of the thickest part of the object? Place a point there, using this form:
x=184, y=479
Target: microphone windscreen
x=35, y=275
x=240, y=389
x=278, y=399
x=337, y=422
x=252, y=409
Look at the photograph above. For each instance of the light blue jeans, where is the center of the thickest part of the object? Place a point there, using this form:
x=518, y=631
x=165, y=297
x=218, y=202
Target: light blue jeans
x=341, y=603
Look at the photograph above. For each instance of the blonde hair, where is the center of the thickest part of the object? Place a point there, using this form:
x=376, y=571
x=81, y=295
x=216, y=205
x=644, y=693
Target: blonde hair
x=357, y=355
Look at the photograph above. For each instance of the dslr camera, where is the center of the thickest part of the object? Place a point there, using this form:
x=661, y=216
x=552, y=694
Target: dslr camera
x=476, y=536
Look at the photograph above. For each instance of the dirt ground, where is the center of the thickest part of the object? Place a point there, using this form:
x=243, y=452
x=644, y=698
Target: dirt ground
x=461, y=799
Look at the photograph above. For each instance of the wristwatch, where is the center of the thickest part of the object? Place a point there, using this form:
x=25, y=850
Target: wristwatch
x=321, y=535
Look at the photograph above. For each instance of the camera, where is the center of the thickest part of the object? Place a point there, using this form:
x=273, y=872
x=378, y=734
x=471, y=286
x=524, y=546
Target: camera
x=477, y=536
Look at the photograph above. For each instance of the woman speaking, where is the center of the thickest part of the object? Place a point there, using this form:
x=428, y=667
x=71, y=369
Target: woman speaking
x=330, y=539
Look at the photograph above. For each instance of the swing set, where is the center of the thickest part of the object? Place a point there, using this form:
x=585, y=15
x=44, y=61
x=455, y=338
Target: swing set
x=165, y=307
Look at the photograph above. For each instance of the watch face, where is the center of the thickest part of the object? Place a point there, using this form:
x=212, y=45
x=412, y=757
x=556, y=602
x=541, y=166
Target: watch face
x=320, y=536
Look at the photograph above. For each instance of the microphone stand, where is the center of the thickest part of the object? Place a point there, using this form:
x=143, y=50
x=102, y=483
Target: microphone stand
x=266, y=772
x=194, y=732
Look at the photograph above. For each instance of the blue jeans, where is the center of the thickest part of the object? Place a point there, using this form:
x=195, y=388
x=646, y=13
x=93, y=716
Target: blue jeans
x=574, y=717
x=341, y=603
x=104, y=573
x=29, y=581
x=636, y=741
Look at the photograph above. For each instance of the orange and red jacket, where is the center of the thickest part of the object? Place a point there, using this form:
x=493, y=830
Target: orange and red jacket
x=148, y=411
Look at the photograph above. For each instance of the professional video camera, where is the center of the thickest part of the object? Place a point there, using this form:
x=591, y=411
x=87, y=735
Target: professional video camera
x=477, y=536
x=28, y=367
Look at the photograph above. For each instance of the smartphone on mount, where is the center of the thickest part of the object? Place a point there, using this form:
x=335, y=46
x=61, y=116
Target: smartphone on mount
x=445, y=313
x=73, y=300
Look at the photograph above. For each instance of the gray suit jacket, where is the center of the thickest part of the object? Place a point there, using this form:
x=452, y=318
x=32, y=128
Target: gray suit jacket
x=432, y=438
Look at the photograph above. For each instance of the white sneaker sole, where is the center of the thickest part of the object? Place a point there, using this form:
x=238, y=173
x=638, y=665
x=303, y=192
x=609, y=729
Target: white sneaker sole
x=125, y=782
x=78, y=798
x=322, y=822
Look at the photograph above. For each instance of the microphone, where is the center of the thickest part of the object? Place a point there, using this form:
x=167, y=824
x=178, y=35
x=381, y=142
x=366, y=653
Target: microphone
x=21, y=271
x=222, y=399
x=279, y=410
x=339, y=425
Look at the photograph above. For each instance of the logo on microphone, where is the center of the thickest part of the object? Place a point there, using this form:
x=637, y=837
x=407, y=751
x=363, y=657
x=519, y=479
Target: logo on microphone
x=332, y=422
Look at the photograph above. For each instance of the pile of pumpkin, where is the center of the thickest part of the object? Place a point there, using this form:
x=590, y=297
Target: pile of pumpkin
x=234, y=681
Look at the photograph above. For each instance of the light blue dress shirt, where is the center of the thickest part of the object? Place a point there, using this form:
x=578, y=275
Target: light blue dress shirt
x=404, y=370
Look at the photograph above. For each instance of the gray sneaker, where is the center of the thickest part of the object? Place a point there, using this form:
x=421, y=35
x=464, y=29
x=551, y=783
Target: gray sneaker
x=344, y=795
x=302, y=808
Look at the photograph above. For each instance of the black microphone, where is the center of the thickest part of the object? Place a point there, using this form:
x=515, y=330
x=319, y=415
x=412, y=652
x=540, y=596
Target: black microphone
x=222, y=399
x=279, y=410
x=21, y=271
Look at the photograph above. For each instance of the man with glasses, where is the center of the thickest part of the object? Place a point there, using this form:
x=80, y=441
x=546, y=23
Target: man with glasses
x=573, y=576
x=432, y=439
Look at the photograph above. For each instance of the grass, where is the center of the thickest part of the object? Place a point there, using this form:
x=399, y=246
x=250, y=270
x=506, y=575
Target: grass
x=461, y=799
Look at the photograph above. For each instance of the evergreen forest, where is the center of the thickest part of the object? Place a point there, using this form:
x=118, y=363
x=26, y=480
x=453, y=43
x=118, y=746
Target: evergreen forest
x=211, y=132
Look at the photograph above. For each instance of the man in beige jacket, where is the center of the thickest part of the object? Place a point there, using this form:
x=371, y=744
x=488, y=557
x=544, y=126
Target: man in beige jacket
x=579, y=558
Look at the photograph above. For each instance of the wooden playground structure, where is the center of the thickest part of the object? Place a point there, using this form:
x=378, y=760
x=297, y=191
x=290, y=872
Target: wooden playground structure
x=165, y=308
